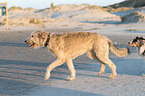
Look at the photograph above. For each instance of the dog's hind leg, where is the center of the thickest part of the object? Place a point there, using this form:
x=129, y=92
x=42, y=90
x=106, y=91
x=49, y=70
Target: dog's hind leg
x=92, y=55
x=102, y=53
x=112, y=67
x=56, y=63
x=107, y=61
x=71, y=68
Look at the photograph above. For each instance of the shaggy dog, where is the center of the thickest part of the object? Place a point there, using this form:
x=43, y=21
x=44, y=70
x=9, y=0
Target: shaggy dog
x=68, y=46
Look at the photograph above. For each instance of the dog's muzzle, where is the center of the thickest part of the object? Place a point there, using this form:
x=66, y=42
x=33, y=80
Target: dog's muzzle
x=31, y=44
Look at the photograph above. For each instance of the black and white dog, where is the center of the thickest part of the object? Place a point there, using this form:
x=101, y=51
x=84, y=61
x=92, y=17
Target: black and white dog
x=139, y=42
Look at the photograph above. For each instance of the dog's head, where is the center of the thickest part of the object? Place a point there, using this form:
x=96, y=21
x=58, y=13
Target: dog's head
x=137, y=42
x=37, y=39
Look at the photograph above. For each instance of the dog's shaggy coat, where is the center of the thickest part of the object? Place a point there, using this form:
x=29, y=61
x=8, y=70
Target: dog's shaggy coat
x=68, y=46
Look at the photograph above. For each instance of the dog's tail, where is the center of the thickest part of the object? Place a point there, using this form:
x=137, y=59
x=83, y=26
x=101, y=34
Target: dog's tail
x=118, y=51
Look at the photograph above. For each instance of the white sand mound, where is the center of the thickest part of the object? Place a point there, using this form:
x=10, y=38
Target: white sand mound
x=79, y=12
x=61, y=13
x=133, y=17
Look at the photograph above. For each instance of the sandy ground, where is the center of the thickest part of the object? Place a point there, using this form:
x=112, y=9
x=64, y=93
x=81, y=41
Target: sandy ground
x=22, y=68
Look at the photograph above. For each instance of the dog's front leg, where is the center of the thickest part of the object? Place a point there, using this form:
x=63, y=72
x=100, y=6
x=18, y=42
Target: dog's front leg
x=56, y=63
x=72, y=70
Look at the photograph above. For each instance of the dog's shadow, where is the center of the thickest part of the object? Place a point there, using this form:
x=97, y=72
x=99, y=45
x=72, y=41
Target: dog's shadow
x=21, y=70
x=27, y=70
x=134, y=67
x=13, y=44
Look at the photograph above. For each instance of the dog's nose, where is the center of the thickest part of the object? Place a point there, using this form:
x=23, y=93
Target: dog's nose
x=25, y=41
x=128, y=42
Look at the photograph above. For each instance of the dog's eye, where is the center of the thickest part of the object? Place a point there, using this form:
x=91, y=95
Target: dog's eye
x=32, y=36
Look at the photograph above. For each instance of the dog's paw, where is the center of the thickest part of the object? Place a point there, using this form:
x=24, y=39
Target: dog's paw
x=112, y=76
x=143, y=75
x=70, y=79
x=100, y=74
x=46, y=77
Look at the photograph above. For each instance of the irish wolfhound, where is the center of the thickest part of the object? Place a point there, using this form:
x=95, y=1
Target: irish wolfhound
x=68, y=46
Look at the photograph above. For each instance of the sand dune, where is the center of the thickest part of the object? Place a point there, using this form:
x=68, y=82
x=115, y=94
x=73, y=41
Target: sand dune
x=70, y=15
x=61, y=13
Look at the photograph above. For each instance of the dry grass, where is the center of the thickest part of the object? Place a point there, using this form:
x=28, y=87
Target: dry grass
x=16, y=8
x=30, y=9
x=110, y=9
x=19, y=22
x=135, y=30
x=2, y=23
x=94, y=7
x=36, y=21
x=27, y=21
x=65, y=25
x=133, y=17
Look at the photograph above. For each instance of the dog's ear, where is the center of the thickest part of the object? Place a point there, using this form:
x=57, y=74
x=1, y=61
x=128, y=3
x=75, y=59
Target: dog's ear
x=42, y=34
x=39, y=34
x=137, y=37
x=50, y=34
x=142, y=38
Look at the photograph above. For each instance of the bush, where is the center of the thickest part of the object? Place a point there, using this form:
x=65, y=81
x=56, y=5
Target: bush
x=15, y=8
x=36, y=21
x=133, y=18
x=52, y=5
